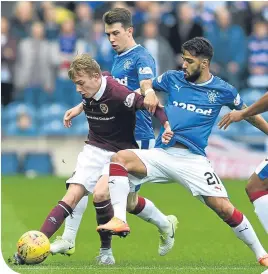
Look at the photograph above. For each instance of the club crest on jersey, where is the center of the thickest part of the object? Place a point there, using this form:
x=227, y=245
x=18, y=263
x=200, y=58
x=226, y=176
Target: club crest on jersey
x=127, y=64
x=212, y=96
x=104, y=108
x=129, y=100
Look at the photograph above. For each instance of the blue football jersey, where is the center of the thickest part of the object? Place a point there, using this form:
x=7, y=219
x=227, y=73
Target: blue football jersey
x=129, y=68
x=192, y=109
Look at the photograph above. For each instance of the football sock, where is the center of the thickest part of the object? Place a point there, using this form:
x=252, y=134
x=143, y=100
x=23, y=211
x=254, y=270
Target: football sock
x=147, y=211
x=55, y=218
x=119, y=189
x=104, y=213
x=245, y=232
x=72, y=223
x=260, y=202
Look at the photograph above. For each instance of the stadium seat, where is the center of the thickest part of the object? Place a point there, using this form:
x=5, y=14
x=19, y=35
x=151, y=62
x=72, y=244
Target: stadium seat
x=13, y=109
x=11, y=129
x=9, y=163
x=38, y=163
x=80, y=129
x=52, y=111
x=53, y=127
x=250, y=96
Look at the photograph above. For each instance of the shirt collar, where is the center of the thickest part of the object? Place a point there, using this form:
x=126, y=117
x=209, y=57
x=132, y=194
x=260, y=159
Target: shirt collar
x=126, y=52
x=100, y=92
x=204, y=83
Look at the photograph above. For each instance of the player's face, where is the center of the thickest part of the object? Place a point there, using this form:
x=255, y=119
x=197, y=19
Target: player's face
x=87, y=86
x=191, y=66
x=119, y=37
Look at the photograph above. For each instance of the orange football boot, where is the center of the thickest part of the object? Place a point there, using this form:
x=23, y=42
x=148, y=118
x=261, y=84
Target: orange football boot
x=115, y=227
x=264, y=260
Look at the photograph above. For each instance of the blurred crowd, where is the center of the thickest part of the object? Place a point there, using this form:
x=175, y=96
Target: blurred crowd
x=39, y=40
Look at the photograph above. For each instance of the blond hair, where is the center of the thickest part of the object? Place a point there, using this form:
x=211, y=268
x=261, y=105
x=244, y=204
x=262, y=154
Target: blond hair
x=83, y=63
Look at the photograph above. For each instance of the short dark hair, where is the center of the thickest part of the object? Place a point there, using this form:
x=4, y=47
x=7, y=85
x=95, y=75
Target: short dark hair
x=118, y=15
x=199, y=46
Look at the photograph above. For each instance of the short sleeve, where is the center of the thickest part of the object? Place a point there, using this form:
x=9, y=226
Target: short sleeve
x=145, y=67
x=161, y=82
x=233, y=100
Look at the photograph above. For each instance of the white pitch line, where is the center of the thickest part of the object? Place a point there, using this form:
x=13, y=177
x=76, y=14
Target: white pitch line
x=136, y=268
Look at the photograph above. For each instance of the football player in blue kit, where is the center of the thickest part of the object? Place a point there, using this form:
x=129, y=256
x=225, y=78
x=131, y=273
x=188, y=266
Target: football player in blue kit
x=257, y=187
x=195, y=100
x=133, y=67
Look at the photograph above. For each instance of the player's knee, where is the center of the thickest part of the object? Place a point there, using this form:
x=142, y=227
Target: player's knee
x=100, y=196
x=121, y=157
x=255, y=184
x=74, y=194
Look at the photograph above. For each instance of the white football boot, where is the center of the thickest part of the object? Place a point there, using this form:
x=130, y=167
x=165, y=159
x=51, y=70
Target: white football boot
x=62, y=246
x=167, y=238
x=106, y=257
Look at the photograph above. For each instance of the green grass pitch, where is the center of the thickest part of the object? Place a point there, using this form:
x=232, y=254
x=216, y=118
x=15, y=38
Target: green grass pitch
x=204, y=244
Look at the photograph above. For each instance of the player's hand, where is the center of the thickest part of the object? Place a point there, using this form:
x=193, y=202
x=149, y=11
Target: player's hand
x=167, y=134
x=70, y=114
x=151, y=101
x=234, y=116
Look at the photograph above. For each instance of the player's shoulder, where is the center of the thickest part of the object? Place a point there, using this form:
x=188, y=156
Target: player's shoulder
x=223, y=86
x=114, y=88
x=141, y=52
x=174, y=74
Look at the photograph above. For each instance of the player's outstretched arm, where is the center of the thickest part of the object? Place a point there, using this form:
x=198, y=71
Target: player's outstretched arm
x=150, y=98
x=247, y=114
x=71, y=113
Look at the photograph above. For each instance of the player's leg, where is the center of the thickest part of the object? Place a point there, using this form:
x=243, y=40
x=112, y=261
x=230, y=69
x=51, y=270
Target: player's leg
x=147, y=211
x=64, y=208
x=239, y=224
x=257, y=190
x=88, y=169
x=65, y=244
x=104, y=213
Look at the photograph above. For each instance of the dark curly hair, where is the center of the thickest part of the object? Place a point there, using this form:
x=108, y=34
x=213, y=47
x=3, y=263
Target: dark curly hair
x=118, y=15
x=199, y=46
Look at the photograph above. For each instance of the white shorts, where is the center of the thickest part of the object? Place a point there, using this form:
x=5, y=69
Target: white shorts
x=90, y=167
x=92, y=163
x=180, y=165
x=262, y=170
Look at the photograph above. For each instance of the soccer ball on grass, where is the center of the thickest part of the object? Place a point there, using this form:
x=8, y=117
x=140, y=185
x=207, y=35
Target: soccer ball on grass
x=33, y=247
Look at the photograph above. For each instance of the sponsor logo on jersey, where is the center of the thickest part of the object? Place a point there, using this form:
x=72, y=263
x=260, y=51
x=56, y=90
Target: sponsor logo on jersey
x=123, y=81
x=104, y=108
x=159, y=78
x=192, y=108
x=129, y=100
x=127, y=64
x=237, y=100
x=145, y=70
x=212, y=96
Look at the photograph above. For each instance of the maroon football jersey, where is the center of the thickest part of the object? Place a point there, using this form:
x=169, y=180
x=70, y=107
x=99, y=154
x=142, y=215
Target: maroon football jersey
x=112, y=118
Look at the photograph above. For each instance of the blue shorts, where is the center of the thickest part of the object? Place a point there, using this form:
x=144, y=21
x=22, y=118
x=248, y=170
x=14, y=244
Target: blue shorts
x=262, y=170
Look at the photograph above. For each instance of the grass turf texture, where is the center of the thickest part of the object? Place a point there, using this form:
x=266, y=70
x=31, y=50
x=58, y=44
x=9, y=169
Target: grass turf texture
x=204, y=244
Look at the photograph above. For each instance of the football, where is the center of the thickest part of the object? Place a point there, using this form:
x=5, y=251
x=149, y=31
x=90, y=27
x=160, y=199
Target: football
x=33, y=247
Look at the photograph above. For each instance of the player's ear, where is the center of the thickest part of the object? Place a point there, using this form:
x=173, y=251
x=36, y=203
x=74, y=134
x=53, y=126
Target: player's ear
x=205, y=63
x=130, y=30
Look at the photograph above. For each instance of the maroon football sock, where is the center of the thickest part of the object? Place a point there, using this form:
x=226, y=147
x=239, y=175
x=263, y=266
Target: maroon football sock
x=55, y=218
x=104, y=213
x=139, y=207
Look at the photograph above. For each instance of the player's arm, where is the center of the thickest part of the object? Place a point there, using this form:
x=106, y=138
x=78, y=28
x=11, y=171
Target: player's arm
x=71, y=113
x=150, y=98
x=257, y=121
x=235, y=116
x=145, y=67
